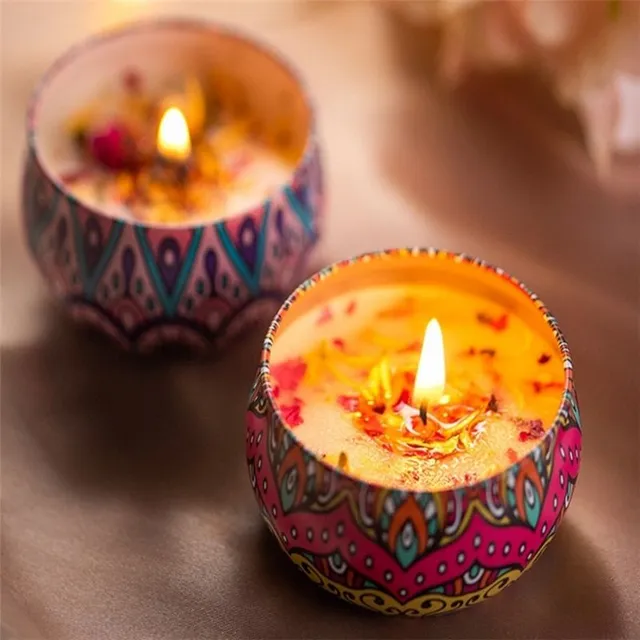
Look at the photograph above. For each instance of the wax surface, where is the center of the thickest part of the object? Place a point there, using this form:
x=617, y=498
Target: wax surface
x=258, y=172
x=485, y=345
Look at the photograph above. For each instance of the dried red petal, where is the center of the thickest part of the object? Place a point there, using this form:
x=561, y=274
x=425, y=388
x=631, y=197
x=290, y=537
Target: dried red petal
x=471, y=351
x=351, y=307
x=410, y=378
x=289, y=374
x=113, y=147
x=349, y=403
x=512, y=455
x=338, y=343
x=470, y=477
x=544, y=358
x=73, y=176
x=276, y=391
x=373, y=427
x=132, y=81
x=411, y=347
x=325, y=316
x=404, y=398
x=534, y=429
x=291, y=414
x=539, y=387
x=501, y=323
x=401, y=309
x=498, y=324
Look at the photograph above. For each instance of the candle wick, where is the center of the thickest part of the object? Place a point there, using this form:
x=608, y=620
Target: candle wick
x=423, y=413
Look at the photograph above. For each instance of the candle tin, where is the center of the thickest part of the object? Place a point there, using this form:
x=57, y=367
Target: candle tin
x=404, y=552
x=198, y=284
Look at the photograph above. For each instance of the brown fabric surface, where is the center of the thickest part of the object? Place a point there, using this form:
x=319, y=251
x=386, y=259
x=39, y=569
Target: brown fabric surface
x=127, y=511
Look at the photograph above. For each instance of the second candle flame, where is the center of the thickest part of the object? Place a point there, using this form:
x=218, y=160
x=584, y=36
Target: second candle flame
x=430, y=377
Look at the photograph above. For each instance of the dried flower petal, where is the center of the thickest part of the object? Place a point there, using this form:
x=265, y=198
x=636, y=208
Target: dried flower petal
x=373, y=427
x=401, y=309
x=539, y=387
x=351, y=307
x=533, y=429
x=291, y=414
x=497, y=324
x=113, y=147
x=325, y=316
x=289, y=374
x=544, y=358
x=412, y=347
x=132, y=80
x=349, y=403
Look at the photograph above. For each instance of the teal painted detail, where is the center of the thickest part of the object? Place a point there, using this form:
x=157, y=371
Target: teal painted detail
x=169, y=301
x=576, y=411
x=532, y=507
x=439, y=589
x=40, y=223
x=90, y=280
x=139, y=285
x=287, y=493
x=432, y=527
x=252, y=280
x=474, y=571
x=304, y=215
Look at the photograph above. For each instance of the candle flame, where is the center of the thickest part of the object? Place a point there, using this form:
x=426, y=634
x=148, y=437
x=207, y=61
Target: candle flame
x=174, y=142
x=430, y=377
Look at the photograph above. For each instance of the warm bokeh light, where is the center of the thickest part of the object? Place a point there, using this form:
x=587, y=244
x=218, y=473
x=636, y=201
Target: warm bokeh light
x=430, y=377
x=174, y=142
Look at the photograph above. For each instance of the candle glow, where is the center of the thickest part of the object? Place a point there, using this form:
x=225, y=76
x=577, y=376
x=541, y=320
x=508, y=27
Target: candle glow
x=174, y=141
x=430, y=377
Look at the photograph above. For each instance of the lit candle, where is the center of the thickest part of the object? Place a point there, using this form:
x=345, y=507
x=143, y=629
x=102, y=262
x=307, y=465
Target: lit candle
x=167, y=156
x=365, y=387
x=173, y=140
x=430, y=378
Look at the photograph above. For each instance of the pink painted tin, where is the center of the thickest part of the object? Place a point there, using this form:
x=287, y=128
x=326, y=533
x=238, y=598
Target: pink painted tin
x=195, y=284
x=405, y=552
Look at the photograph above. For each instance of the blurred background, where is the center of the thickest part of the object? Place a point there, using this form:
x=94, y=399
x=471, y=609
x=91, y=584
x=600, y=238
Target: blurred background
x=417, y=151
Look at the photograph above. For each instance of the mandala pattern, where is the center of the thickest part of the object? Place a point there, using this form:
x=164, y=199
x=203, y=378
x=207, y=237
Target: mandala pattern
x=197, y=286
x=402, y=552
